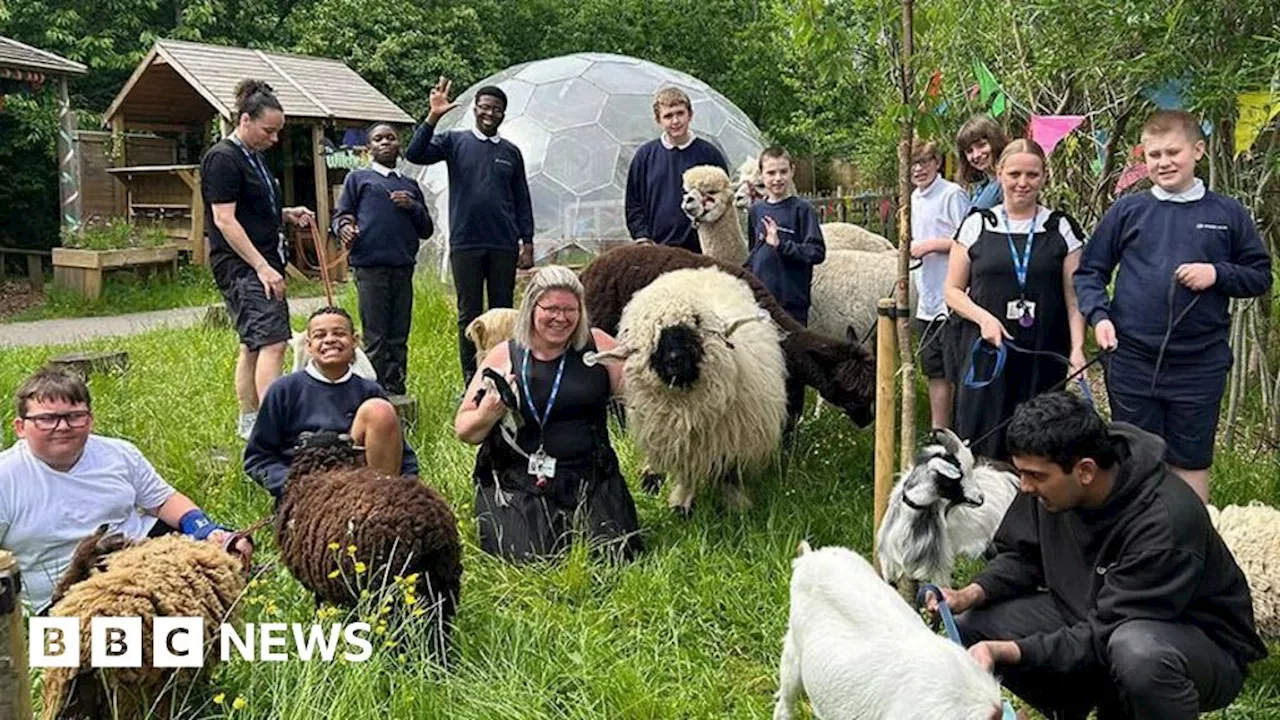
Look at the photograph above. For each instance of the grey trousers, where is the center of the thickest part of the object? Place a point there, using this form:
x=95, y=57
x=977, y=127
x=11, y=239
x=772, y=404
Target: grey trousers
x=1154, y=670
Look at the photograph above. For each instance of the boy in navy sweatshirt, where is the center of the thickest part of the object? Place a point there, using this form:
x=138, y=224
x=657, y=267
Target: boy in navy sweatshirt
x=381, y=215
x=655, y=185
x=327, y=395
x=1182, y=252
x=490, y=213
x=785, y=243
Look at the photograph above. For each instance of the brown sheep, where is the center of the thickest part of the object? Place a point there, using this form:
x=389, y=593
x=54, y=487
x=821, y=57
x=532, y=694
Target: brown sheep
x=841, y=372
x=168, y=576
x=398, y=526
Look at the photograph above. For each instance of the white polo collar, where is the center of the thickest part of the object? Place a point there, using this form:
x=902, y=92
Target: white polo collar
x=666, y=142
x=314, y=372
x=1191, y=194
x=932, y=189
x=481, y=136
x=383, y=170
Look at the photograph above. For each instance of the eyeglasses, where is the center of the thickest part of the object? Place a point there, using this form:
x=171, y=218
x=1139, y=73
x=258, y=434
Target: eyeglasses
x=554, y=310
x=50, y=421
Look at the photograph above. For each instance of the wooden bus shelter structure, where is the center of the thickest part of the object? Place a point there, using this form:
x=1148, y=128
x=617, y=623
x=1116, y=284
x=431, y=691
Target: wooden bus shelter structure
x=188, y=89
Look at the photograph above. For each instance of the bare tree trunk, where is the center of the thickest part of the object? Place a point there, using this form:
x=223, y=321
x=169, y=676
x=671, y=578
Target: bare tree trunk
x=907, y=79
x=1238, y=369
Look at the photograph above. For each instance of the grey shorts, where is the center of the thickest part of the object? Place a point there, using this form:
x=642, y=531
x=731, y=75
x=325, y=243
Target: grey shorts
x=258, y=320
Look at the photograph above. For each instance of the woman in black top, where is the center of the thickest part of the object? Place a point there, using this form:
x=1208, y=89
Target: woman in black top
x=556, y=474
x=1009, y=279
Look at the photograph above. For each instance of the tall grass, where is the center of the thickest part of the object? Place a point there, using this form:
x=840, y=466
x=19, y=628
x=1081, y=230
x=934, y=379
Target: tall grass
x=692, y=629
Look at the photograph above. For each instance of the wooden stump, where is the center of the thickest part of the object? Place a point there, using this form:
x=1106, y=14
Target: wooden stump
x=406, y=407
x=15, y=682
x=86, y=363
x=216, y=317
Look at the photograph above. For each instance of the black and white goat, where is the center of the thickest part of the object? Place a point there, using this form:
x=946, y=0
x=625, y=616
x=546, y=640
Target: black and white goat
x=945, y=505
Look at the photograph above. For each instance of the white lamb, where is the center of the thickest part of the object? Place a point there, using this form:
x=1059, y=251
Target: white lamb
x=945, y=505
x=1252, y=534
x=859, y=651
x=705, y=379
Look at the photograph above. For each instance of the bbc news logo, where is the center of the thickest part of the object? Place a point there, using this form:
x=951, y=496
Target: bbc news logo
x=178, y=642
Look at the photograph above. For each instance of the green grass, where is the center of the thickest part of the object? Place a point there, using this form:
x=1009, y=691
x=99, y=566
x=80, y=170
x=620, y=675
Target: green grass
x=127, y=292
x=692, y=629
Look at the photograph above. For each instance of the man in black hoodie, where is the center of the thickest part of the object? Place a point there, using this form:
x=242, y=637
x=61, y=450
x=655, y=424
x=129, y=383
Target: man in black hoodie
x=1110, y=587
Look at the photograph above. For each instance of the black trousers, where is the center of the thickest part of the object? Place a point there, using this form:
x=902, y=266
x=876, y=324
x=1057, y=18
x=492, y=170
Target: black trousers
x=477, y=274
x=1154, y=670
x=386, y=309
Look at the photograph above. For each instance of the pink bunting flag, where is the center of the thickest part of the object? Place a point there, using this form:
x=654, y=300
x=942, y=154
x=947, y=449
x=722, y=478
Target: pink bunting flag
x=1131, y=175
x=1048, y=130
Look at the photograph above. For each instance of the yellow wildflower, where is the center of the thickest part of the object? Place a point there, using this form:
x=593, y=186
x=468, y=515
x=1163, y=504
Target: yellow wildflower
x=219, y=698
x=351, y=549
x=238, y=703
x=334, y=574
x=333, y=546
x=360, y=567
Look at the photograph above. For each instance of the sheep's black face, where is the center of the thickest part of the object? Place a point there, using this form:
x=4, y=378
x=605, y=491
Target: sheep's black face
x=678, y=356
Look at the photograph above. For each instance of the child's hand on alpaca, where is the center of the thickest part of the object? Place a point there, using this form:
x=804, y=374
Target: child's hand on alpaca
x=770, y=231
x=1196, y=276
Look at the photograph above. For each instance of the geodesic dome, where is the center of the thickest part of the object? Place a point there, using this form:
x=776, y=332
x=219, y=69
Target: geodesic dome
x=578, y=120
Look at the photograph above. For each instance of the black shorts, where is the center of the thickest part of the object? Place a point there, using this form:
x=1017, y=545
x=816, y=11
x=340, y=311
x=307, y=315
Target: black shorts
x=1183, y=409
x=258, y=320
x=934, y=340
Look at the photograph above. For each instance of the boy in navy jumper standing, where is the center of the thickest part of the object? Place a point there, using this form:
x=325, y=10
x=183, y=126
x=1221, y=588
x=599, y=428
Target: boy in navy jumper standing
x=785, y=243
x=655, y=185
x=381, y=215
x=490, y=214
x=326, y=395
x=1183, y=253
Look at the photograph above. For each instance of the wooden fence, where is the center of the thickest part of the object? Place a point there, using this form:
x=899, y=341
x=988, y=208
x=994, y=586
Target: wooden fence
x=877, y=213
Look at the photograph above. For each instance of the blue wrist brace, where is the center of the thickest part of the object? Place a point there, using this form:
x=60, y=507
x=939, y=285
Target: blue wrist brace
x=198, y=525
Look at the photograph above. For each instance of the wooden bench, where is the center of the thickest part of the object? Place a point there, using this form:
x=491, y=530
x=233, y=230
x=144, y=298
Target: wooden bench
x=35, y=264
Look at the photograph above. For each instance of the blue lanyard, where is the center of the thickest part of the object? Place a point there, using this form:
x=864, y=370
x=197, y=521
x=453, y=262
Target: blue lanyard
x=262, y=171
x=555, y=388
x=1020, y=265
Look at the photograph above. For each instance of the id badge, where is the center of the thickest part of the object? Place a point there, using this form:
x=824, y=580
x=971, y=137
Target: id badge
x=542, y=465
x=1023, y=311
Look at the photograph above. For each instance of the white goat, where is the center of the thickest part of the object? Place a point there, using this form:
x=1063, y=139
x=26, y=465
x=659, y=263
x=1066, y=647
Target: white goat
x=945, y=505
x=859, y=651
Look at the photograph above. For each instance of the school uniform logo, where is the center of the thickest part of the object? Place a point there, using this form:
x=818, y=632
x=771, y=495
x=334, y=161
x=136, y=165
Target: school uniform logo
x=504, y=161
x=1211, y=226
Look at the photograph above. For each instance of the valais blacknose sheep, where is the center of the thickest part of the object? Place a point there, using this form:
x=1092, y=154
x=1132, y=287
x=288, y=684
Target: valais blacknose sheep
x=704, y=381
x=944, y=505
x=859, y=651
x=708, y=202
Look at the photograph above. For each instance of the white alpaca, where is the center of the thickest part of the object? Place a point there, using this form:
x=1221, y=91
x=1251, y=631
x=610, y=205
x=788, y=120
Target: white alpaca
x=708, y=202
x=859, y=651
x=944, y=506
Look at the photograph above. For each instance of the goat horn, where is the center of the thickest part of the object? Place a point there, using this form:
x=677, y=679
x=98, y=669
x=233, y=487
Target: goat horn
x=621, y=352
x=759, y=315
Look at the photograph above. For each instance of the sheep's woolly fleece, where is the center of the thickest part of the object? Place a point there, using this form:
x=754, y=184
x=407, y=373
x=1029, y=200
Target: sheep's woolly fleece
x=708, y=201
x=1252, y=533
x=732, y=418
x=846, y=287
x=492, y=328
x=168, y=576
x=398, y=526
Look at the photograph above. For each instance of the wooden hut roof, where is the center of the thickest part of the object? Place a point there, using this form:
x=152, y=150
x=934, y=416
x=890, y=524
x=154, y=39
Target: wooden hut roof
x=178, y=82
x=20, y=56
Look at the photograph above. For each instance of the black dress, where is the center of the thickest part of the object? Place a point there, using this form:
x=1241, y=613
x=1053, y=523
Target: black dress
x=993, y=285
x=520, y=520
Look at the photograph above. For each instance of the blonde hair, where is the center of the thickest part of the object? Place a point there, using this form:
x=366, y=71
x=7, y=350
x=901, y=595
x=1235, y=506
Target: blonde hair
x=1022, y=145
x=670, y=97
x=552, y=277
x=1163, y=122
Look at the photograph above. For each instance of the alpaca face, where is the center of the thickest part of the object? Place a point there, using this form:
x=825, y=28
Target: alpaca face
x=677, y=358
x=705, y=205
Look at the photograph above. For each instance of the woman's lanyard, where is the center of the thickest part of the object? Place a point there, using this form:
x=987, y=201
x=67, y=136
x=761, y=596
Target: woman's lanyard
x=1021, y=310
x=540, y=464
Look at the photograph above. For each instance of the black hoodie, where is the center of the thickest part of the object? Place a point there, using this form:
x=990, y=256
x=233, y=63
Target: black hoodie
x=1148, y=553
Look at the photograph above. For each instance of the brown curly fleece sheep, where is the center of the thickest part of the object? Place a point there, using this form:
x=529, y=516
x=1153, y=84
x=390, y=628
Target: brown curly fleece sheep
x=398, y=525
x=168, y=576
x=842, y=372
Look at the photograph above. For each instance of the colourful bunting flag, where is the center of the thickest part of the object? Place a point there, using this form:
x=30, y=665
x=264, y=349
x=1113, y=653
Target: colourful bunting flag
x=935, y=84
x=989, y=86
x=1048, y=130
x=1131, y=175
x=1167, y=95
x=1256, y=109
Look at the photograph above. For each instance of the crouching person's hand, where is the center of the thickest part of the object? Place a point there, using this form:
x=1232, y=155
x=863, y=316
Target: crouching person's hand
x=241, y=546
x=990, y=653
x=969, y=596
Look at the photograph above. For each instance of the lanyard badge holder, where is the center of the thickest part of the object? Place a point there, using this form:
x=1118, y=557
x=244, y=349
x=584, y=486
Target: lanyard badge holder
x=541, y=465
x=1022, y=309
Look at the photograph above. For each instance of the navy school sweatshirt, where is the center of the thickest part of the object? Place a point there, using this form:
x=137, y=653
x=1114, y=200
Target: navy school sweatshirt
x=489, y=205
x=786, y=270
x=655, y=187
x=298, y=402
x=1148, y=239
x=388, y=234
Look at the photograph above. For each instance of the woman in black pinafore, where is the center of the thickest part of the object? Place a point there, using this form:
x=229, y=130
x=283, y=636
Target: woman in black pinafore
x=522, y=515
x=982, y=282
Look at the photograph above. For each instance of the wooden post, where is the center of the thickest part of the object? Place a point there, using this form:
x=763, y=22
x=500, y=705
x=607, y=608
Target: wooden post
x=286, y=151
x=886, y=369
x=15, y=679
x=322, y=181
x=119, y=190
